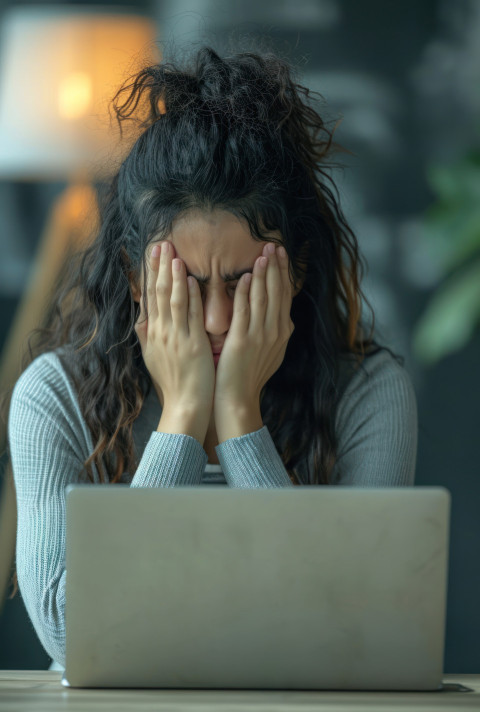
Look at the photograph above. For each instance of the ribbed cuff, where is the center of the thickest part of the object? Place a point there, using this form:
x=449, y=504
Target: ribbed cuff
x=252, y=461
x=170, y=460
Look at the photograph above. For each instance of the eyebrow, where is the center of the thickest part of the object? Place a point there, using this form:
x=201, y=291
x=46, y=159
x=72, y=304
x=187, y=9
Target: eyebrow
x=229, y=277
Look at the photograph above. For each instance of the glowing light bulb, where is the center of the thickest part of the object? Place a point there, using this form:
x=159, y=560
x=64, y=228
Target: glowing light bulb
x=74, y=95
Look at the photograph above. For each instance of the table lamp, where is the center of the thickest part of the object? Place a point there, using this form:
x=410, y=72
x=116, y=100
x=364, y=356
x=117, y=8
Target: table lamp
x=60, y=66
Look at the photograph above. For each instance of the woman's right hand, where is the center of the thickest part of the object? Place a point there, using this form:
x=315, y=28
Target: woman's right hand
x=175, y=345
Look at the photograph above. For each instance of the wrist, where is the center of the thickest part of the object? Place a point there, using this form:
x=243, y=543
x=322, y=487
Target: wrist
x=233, y=420
x=184, y=420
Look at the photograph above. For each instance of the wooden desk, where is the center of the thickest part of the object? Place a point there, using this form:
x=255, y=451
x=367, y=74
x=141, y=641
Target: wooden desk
x=27, y=690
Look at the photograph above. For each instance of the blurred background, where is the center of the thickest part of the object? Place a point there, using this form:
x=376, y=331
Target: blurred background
x=404, y=77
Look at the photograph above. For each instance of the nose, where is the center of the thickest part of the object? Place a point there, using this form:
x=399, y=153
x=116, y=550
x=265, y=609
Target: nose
x=217, y=312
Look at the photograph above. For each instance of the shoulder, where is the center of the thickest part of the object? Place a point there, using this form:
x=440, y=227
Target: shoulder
x=376, y=424
x=377, y=383
x=44, y=392
x=378, y=367
x=44, y=376
x=48, y=437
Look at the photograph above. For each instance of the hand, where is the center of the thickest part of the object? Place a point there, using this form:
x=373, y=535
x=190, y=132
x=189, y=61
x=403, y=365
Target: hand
x=175, y=345
x=259, y=333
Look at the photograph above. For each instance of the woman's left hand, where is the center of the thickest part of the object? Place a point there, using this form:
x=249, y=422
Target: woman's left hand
x=261, y=327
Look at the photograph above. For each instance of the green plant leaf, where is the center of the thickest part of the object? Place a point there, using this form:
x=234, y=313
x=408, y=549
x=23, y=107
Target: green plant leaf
x=452, y=223
x=457, y=183
x=450, y=317
x=453, y=238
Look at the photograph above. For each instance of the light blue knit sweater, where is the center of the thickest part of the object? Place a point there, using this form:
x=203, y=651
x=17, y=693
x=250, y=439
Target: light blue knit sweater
x=376, y=425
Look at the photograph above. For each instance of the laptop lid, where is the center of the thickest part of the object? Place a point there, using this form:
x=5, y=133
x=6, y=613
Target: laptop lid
x=305, y=588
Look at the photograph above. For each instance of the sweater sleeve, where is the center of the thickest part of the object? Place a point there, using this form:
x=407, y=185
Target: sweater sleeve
x=377, y=427
x=252, y=461
x=49, y=441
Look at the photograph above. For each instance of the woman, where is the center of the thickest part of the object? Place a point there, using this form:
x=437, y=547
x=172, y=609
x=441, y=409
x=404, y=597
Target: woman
x=234, y=356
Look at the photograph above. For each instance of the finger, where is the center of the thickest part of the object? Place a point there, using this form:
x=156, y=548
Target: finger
x=179, y=298
x=163, y=291
x=195, y=307
x=153, y=261
x=258, y=295
x=287, y=292
x=241, y=307
x=274, y=295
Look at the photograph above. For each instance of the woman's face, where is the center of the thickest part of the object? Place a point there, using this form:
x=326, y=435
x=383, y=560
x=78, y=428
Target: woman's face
x=214, y=246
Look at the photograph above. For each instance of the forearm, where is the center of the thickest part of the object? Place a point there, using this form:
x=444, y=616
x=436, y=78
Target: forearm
x=246, y=451
x=252, y=461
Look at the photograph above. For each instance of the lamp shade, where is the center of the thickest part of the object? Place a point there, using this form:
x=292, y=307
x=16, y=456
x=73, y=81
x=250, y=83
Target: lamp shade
x=60, y=67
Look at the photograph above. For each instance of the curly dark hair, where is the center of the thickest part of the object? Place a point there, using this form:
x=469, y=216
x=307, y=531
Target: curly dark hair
x=236, y=133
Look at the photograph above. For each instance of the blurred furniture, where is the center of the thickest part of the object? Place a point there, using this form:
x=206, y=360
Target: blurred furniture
x=60, y=67
x=42, y=689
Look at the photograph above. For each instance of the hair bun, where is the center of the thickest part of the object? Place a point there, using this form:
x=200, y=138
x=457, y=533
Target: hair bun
x=213, y=76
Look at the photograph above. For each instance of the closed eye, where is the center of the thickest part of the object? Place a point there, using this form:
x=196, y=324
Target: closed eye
x=230, y=286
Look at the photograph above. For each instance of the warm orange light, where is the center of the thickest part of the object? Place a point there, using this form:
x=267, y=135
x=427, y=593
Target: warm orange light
x=64, y=124
x=75, y=95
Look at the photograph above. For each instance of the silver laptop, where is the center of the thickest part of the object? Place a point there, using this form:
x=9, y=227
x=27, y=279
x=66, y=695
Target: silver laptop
x=312, y=588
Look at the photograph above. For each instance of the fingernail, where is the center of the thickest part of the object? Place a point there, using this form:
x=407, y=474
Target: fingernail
x=270, y=248
x=156, y=251
x=282, y=252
